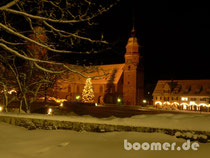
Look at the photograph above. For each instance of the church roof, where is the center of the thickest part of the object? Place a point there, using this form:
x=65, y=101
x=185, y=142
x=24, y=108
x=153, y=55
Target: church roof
x=107, y=74
x=183, y=87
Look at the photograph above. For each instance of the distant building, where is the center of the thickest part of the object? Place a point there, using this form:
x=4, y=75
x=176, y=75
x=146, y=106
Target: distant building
x=124, y=82
x=183, y=94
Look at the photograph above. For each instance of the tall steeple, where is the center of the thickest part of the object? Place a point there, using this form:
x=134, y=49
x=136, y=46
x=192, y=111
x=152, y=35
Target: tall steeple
x=131, y=92
x=132, y=46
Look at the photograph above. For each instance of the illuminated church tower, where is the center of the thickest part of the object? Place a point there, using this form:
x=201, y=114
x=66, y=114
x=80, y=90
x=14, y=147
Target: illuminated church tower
x=133, y=82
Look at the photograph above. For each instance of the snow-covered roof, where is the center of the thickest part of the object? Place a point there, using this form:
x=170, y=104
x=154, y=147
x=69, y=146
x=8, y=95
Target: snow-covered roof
x=183, y=87
x=107, y=73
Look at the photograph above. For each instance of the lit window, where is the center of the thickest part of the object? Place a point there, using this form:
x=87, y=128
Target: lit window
x=202, y=99
x=193, y=99
x=166, y=98
x=184, y=98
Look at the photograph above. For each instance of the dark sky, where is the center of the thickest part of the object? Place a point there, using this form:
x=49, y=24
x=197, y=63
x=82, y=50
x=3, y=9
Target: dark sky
x=174, y=35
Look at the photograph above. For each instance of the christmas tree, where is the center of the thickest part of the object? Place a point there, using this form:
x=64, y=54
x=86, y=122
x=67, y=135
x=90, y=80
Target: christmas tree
x=87, y=93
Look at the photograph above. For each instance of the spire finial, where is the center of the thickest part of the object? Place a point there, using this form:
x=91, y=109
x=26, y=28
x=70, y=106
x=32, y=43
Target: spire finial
x=133, y=32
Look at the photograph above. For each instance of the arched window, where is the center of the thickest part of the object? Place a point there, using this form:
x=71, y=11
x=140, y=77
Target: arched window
x=69, y=88
x=101, y=89
x=77, y=89
x=113, y=89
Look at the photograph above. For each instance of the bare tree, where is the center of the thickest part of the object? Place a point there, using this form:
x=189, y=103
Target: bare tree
x=64, y=22
x=34, y=31
x=7, y=82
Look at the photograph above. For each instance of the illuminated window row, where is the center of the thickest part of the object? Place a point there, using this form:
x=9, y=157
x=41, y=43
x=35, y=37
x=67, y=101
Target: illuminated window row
x=182, y=99
x=183, y=104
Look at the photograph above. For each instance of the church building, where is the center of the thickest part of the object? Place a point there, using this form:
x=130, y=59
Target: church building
x=123, y=83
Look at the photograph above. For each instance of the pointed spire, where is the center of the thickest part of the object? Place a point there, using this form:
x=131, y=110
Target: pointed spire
x=133, y=32
x=132, y=45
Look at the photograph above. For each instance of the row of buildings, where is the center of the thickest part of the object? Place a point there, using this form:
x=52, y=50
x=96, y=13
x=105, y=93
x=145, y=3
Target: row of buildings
x=182, y=94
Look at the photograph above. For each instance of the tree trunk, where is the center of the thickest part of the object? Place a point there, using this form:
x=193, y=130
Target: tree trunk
x=20, y=107
x=5, y=98
x=26, y=104
x=45, y=94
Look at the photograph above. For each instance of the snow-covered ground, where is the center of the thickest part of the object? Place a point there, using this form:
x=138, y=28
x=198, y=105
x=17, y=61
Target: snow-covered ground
x=167, y=120
x=18, y=142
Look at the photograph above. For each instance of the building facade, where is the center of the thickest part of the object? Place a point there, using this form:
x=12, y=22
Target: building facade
x=183, y=94
x=122, y=83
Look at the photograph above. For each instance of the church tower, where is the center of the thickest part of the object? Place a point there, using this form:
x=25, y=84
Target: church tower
x=133, y=81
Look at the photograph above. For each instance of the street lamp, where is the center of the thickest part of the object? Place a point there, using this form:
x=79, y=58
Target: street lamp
x=61, y=104
x=77, y=97
x=144, y=101
x=119, y=100
x=49, y=112
x=1, y=108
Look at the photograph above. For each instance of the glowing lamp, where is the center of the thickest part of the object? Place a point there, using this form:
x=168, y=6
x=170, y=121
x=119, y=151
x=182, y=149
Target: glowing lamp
x=1, y=108
x=77, y=97
x=96, y=104
x=184, y=105
x=175, y=103
x=49, y=111
x=184, y=99
x=192, y=103
x=158, y=102
x=168, y=103
x=202, y=104
x=61, y=104
x=144, y=101
x=118, y=100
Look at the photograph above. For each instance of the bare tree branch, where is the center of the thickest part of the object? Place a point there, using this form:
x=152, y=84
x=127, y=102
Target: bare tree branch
x=8, y=5
x=67, y=68
x=68, y=34
x=11, y=43
x=47, y=19
x=35, y=42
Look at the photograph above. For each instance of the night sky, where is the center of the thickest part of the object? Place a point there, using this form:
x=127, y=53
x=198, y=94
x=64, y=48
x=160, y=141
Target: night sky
x=174, y=36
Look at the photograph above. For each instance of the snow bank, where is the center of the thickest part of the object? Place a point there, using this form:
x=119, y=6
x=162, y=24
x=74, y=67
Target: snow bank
x=17, y=142
x=197, y=122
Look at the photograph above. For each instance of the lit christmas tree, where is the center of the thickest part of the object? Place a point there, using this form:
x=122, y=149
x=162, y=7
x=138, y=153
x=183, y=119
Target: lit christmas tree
x=87, y=93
